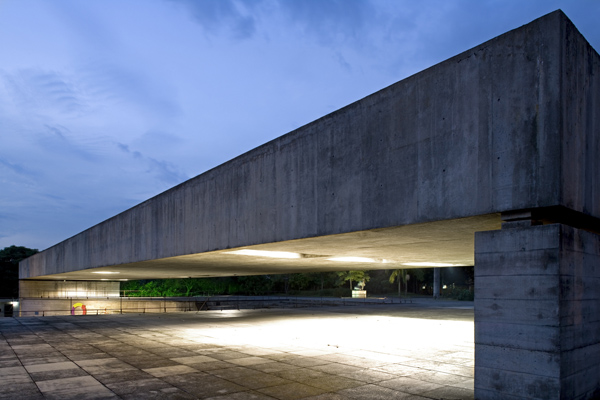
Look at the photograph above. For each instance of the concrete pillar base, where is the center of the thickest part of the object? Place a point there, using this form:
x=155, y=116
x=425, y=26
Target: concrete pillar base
x=537, y=313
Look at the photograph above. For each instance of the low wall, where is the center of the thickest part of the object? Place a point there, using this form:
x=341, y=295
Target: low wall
x=123, y=305
x=68, y=289
x=99, y=306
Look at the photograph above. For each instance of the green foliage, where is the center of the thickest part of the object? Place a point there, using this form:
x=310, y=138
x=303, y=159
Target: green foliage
x=176, y=287
x=313, y=281
x=303, y=284
x=281, y=283
x=379, y=283
x=254, y=285
x=459, y=294
x=9, y=269
x=301, y=281
x=415, y=273
x=14, y=254
x=353, y=276
x=342, y=292
x=401, y=275
x=398, y=275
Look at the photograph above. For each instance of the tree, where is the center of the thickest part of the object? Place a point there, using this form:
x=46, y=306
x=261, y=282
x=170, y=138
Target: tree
x=9, y=269
x=356, y=276
x=255, y=285
x=402, y=275
x=323, y=279
x=189, y=285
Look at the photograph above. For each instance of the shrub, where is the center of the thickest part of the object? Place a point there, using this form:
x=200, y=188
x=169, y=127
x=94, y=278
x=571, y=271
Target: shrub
x=459, y=294
x=342, y=292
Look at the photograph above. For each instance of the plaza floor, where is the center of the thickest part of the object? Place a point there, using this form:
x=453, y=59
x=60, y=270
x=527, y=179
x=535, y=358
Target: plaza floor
x=422, y=350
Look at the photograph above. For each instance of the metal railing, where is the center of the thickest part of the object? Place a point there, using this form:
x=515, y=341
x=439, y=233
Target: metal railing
x=200, y=303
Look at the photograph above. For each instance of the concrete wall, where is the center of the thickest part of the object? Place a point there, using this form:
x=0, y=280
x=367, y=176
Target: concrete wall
x=580, y=133
x=480, y=133
x=100, y=306
x=68, y=289
x=537, y=313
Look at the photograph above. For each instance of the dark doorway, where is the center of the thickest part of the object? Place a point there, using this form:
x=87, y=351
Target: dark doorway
x=8, y=310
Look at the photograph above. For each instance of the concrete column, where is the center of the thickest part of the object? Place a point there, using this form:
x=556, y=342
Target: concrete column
x=537, y=313
x=436, y=283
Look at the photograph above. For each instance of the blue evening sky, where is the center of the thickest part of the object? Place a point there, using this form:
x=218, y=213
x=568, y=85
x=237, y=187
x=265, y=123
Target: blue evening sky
x=104, y=104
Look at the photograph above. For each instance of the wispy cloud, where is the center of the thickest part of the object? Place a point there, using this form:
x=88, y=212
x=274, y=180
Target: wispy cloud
x=36, y=91
x=160, y=170
x=104, y=104
x=237, y=18
x=331, y=22
x=15, y=169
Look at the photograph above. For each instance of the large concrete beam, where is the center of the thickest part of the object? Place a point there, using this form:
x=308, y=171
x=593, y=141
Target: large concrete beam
x=508, y=125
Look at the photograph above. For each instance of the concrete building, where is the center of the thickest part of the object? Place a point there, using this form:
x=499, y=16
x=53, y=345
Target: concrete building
x=490, y=158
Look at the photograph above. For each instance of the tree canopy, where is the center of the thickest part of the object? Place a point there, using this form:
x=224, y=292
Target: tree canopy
x=9, y=269
x=354, y=276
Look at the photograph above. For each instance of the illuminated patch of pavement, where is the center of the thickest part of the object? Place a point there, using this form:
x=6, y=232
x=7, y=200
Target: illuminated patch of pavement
x=422, y=350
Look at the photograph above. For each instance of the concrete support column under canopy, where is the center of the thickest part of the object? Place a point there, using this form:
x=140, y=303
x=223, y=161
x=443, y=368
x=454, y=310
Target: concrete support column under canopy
x=436, y=283
x=537, y=313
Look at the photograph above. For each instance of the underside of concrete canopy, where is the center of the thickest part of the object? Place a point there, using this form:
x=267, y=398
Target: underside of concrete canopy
x=444, y=243
x=490, y=158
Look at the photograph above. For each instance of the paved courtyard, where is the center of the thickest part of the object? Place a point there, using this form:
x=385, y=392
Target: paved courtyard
x=422, y=350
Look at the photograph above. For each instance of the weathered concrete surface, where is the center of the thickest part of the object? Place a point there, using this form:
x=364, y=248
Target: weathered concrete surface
x=507, y=125
x=68, y=289
x=32, y=307
x=537, y=313
x=442, y=241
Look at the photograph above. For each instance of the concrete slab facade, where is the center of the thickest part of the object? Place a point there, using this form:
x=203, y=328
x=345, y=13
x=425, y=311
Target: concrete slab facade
x=503, y=136
x=507, y=125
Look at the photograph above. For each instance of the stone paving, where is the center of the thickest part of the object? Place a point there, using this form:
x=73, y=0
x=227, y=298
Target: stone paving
x=408, y=351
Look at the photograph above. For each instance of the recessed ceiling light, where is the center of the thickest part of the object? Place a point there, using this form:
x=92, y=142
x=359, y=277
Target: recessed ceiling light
x=265, y=253
x=105, y=272
x=353, y=259
x=430, y=264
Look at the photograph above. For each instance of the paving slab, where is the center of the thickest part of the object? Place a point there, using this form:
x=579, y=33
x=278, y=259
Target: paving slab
x=242, y=396
x=45, y=367
x=292, y=391
x=103, y=365
x=25, y=390
x=69, y=383
x=410, y=385
x=11, y=380
x=250, y=361
x=138, y=385
x=204, y=385
x=193, y=360
x=8, y=371
x=81, y=393
x=57, y=374
x=169, y=371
